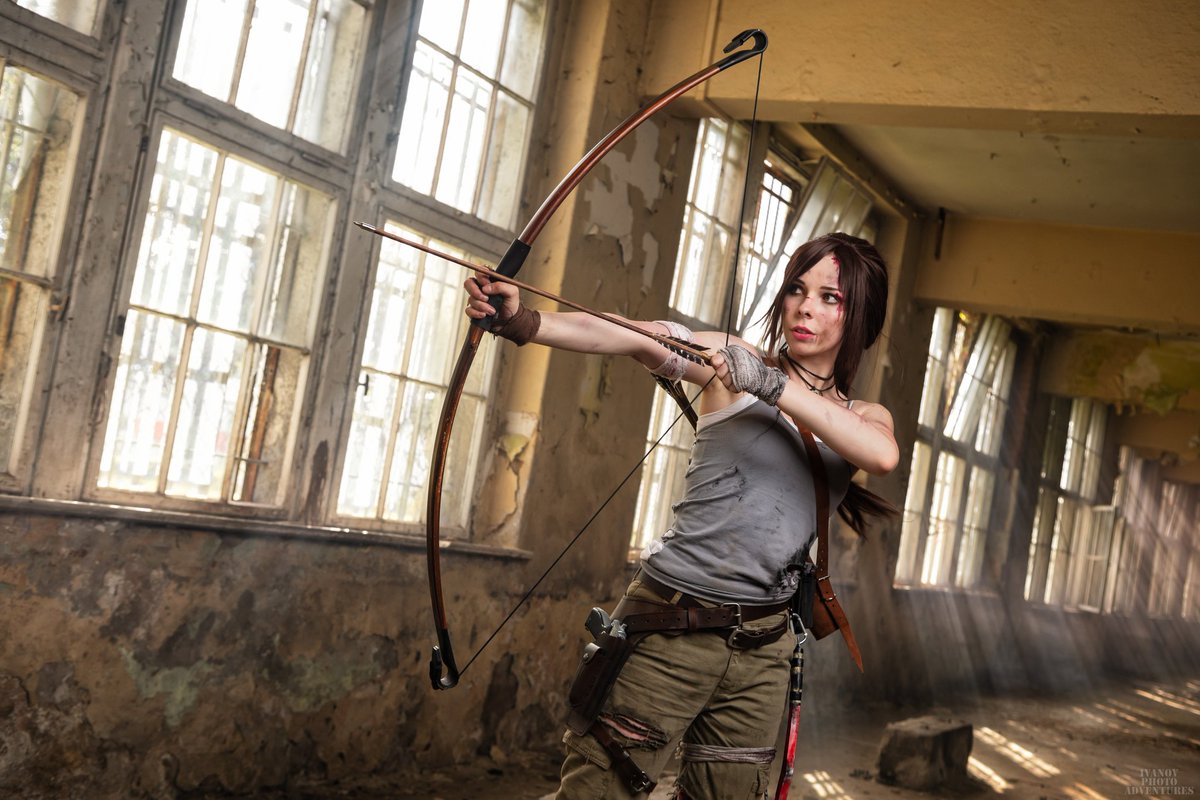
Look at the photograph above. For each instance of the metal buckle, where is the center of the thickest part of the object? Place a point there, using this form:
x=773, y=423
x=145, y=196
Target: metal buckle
x=737, y=607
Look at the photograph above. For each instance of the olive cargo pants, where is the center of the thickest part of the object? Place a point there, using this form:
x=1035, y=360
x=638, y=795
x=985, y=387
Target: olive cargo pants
x=693, y=688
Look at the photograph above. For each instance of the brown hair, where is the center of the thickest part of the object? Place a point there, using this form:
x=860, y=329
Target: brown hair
x=863, y=280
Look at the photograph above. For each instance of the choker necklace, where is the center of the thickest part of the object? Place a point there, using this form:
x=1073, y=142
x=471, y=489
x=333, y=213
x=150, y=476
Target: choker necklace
x=801, y=369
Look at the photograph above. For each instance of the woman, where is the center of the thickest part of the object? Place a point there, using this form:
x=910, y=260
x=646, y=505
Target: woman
x=741, y=530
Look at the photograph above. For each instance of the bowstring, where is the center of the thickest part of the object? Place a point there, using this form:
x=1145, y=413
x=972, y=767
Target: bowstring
x=683, y=412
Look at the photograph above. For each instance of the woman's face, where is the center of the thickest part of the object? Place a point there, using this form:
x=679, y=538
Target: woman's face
x=812, y=311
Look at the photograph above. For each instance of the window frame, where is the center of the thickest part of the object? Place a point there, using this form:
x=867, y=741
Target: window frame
x=161, y=119
x=938, y=443
x=427, y=206
x=76, y=76
x=1060, y=583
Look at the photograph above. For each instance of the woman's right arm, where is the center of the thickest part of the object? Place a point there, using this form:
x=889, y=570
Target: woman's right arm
x=574, y=331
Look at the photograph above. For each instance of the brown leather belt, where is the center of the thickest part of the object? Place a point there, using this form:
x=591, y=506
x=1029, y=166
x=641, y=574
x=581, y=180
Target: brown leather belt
x=668, y=594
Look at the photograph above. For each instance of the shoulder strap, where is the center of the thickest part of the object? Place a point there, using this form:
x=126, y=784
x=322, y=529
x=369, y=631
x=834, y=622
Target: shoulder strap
x=816, y=465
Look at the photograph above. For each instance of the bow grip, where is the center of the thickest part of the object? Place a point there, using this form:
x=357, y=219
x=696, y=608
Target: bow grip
x=514, y=259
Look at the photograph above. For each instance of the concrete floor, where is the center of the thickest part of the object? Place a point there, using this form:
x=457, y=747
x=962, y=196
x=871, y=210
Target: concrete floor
x=1130, y=741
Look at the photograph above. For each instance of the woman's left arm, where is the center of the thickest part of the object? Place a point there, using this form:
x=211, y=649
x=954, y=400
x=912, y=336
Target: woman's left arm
x=862, y=435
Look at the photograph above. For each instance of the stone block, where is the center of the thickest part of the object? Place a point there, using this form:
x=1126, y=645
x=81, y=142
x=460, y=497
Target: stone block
x=924, y=753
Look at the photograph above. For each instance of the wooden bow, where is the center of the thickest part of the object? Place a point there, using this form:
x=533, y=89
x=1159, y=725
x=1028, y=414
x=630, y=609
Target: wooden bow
x=443, y=670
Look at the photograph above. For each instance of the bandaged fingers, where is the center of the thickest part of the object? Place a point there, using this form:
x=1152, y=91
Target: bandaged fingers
x=743, y=371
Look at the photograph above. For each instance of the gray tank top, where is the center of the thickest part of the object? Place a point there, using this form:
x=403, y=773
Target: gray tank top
x=747, y=512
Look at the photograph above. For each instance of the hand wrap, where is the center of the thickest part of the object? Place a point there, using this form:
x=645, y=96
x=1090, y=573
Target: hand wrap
x=748, y=373
x=521, y=327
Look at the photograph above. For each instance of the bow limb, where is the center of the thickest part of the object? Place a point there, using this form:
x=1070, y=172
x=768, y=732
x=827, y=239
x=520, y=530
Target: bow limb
x=443, y=671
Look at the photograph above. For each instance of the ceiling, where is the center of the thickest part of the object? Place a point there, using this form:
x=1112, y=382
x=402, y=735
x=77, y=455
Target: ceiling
x=1108, y=181
x=1105, y=181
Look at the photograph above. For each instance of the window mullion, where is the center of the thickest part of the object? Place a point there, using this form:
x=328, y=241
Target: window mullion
x=240, y=420
x=185, y=354
x=206, y=233
x=191, y=323
x=298, y=85
x=441, y=151
x=265, y=278
x=263, y=281
x=240, y=58
x=927, y=519
x=389, y=454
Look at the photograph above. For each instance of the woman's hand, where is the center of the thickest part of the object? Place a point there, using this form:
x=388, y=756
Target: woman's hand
x=480, y=290
x=518, y=325
x=743, y=371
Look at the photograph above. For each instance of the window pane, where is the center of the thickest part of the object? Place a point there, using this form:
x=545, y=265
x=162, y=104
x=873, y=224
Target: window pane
x=237, y=260
x=481, y=44
x=462, y=148
x=414, y=332
x=420, y=405
x=424, y=116
x=208, y=45
x=143, y=394
x=174, y=229
x=995, y=407
x=77, y=14
x=441, y=22
x=913, y=523
x=36, y=127
x=370, y=433
x=943, y=519
x=22, y=314
x=326, y=94
x=296, y=267
x=277, y=383
x=526, y=23
x=975, y=526
x=236, y=254
x=502, y=167
x=931, y=392
x=291, y=63
x=36, y=132
x=464, y=132
x=271, y=63
x=204, y=429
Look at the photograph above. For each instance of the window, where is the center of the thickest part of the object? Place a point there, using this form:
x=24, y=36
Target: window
x=1072, y=537
x=964, y=402
x=705, y=265
x=77, y=14
x=464, y=132
x=1155, y=557
x=37, y=133
x=1173, y=586
x=216, y=340
x=290, y=63
x=469, y=107
x=831, y=202
x=406, y=365
x=778, y=203
x=699, y=290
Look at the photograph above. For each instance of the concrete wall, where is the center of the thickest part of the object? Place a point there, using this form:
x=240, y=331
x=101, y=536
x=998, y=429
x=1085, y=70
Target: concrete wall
x=145, y=661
